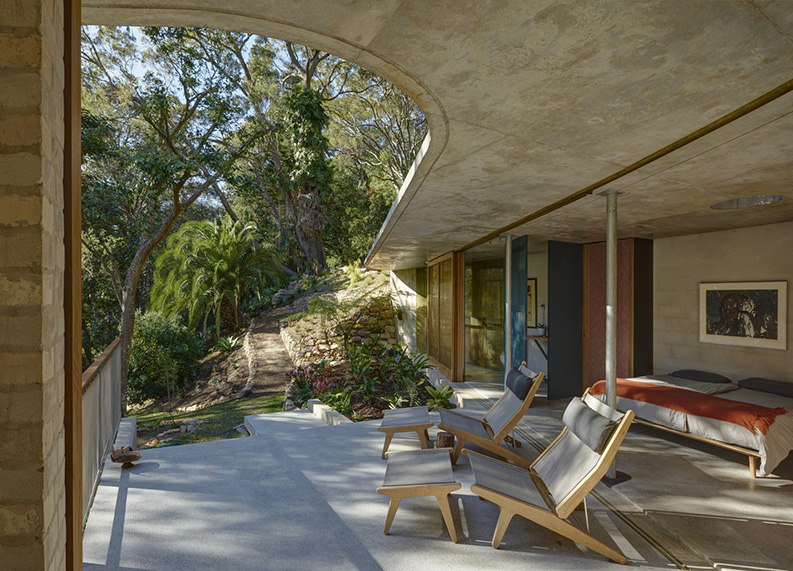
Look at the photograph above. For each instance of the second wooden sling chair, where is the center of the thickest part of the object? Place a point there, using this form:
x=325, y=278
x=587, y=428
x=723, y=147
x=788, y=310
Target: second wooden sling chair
x=559, y=480
x=492, y=431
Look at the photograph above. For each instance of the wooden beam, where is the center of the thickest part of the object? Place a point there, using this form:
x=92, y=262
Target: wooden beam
x=72, y=296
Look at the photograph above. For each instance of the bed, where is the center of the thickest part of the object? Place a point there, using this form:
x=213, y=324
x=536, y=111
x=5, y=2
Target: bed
x=735, y=416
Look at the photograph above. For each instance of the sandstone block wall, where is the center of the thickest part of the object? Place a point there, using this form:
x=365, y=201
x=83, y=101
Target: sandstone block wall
x=307, y=343
x=32, y=489
x=762, y=253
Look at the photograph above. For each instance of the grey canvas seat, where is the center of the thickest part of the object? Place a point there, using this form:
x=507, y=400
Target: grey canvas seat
x=560, y=478
x=493, y=430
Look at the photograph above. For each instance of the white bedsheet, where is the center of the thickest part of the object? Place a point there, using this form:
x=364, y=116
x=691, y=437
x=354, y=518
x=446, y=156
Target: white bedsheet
x=773, y=447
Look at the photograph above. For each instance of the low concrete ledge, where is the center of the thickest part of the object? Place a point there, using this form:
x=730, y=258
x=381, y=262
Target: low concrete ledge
x=127, y=434
x=327, y=414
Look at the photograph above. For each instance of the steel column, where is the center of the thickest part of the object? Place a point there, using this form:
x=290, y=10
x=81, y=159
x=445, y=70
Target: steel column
x=508, y=308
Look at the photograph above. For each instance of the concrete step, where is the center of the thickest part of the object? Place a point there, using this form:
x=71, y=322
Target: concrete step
x=276, y=423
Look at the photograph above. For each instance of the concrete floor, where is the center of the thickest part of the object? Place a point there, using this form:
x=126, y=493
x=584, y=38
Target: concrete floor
x=303, y=497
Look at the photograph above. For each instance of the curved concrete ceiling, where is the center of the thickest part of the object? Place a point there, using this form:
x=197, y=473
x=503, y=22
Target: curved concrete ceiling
x=529, y=102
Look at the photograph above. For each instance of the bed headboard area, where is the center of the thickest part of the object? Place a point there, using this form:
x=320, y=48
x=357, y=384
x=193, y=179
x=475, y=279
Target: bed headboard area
x=681, y=264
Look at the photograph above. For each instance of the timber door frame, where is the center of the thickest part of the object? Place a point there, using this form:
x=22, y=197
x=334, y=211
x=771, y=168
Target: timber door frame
x=72, y=295
x=453, y=371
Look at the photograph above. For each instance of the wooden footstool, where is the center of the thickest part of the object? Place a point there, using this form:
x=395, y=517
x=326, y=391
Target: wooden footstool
x=406, y=420
x=414, y=473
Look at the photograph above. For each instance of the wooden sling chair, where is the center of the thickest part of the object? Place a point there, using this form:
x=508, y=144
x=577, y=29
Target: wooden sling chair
x=492, y=431
x=559, y=480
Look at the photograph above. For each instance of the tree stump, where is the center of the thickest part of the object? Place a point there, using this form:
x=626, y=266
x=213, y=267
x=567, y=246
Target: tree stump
x=445, y=440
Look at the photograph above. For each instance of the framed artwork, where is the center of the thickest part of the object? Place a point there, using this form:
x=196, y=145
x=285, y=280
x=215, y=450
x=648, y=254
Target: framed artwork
x=531, y=302
x=747, y=314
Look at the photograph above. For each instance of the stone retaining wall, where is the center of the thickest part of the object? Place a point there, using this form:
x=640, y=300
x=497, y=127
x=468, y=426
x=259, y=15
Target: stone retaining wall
x=307, y=343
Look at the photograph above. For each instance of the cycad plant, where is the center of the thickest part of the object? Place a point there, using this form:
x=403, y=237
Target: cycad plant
x=210, y=268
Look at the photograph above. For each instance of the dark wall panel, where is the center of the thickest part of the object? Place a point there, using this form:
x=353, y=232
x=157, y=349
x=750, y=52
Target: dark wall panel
x=642, y=307
x=565, y=319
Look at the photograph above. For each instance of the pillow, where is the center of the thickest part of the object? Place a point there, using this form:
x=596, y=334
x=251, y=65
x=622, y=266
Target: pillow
x=518, y=383
x=767, y=386
x=527, y=372
x=707, y=388
x=600, y=406
x=591, y=427
x=701, y=376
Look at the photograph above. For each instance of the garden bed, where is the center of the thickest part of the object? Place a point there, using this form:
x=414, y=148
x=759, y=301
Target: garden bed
x=372, y=379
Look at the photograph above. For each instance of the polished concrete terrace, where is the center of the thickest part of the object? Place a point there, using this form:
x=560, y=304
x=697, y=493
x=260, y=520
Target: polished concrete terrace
x=302, y=496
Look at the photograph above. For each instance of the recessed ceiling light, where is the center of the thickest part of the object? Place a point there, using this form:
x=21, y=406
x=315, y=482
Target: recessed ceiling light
x=747, y=201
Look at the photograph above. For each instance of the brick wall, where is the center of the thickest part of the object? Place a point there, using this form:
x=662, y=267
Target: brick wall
x=32, y=492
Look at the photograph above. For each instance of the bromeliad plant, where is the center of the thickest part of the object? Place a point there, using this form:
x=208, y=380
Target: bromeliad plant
x=440, y=398
x=228, y=344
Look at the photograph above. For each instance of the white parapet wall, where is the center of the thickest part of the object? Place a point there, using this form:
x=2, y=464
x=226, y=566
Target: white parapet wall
x=327, y=414
x=127, y=434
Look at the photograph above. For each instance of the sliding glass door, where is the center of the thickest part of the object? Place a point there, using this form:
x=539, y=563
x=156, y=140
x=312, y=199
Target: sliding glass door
x=484, y=314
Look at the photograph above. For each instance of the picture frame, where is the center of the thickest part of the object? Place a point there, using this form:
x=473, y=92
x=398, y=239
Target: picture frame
x=531, y=302
x=745, y=314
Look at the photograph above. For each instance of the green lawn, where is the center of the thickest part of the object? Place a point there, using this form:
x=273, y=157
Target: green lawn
x=221, y=419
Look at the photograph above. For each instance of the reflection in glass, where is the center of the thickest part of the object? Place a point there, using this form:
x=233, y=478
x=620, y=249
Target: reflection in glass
x=484, y=314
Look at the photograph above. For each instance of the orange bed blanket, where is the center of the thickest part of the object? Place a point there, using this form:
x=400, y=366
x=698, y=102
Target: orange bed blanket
x=748, y=415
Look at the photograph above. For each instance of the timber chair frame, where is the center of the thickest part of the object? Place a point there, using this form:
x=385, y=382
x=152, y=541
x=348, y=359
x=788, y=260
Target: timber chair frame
x=509, y=480
x=492, y=430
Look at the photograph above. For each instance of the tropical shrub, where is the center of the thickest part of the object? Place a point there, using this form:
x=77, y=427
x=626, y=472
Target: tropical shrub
x=164, y=357
x=211, y=269
x=372, y=378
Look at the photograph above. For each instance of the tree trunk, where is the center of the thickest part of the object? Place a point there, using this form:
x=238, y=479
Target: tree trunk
x=314, y=249
x=228, y=314
x=225, y=202
x=130, y=287
x=127, y=328
x=309, y=222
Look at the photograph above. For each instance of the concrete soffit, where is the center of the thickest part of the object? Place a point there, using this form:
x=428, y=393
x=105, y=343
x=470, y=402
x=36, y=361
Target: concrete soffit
x=529, y=104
